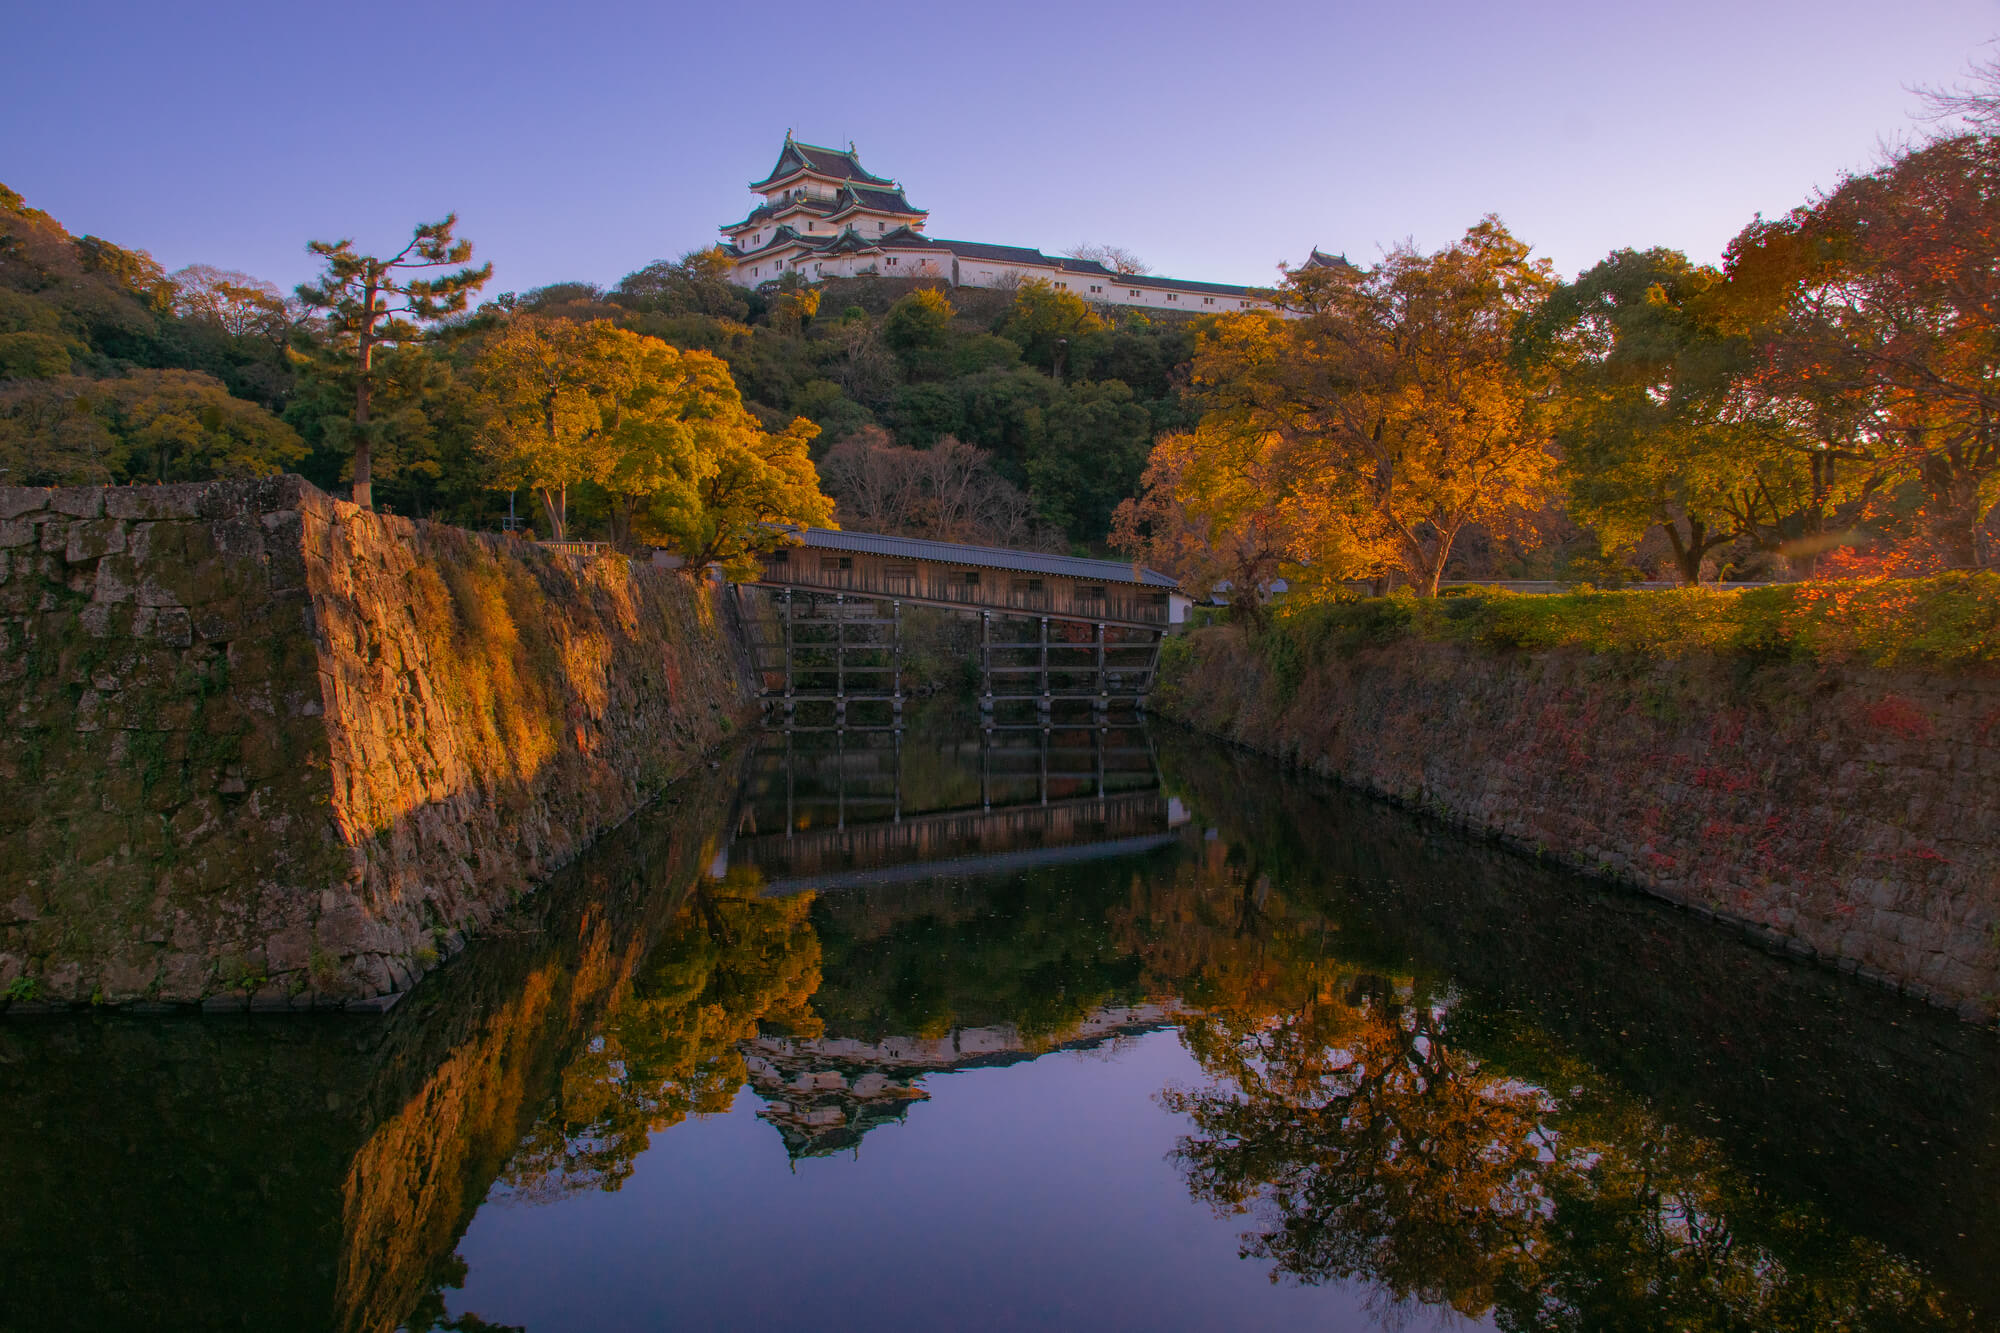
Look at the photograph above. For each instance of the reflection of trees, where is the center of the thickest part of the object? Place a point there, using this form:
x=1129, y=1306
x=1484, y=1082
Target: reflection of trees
x=1035, y=951
x=732, y=963
x=1371, y=1148
x=1374, y=1144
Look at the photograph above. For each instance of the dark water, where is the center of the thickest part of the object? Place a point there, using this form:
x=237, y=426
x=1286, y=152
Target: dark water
x=1085, y=1029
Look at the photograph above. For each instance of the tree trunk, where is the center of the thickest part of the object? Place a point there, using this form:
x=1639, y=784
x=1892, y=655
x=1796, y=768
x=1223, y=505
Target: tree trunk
x=363, y=493
x=1687, y=557
x=555, y=503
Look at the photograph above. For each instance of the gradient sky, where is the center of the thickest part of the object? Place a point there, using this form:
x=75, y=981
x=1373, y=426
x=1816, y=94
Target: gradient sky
x=586, y=139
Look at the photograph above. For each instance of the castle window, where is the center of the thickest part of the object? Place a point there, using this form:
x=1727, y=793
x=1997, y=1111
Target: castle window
x=833, y=563
x=1172, y=297
x=892, y=259
x=1208, y=300
x=972, y=578
x=1132, y=293
x=1096, y=287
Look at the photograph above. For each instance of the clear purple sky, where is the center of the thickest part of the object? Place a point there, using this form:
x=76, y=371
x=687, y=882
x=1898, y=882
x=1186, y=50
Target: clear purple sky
x=583, y=140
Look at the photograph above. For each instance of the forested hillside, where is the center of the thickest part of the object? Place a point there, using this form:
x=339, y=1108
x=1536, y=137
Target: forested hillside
x=112, y=370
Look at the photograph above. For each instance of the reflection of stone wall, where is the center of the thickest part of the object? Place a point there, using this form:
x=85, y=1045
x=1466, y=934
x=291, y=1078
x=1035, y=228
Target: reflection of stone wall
x=267, y=748
x=315, y=1172
x=1848, y=814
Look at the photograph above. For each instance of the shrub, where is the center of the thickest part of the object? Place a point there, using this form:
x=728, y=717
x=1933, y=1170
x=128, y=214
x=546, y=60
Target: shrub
x=1944, y=620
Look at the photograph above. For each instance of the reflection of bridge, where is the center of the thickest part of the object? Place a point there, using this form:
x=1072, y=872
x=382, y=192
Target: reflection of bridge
x=843, y=812
x=1052, y=628
x=965, y=842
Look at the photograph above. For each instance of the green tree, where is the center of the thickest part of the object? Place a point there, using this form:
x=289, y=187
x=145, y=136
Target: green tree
x=567, y=404
x=1090, y=456
x=918, y=330
x=1046, y=323
x=150, y=425
x=695, y=284
x=368, y=303
x=1648, y=432
x=758, y=483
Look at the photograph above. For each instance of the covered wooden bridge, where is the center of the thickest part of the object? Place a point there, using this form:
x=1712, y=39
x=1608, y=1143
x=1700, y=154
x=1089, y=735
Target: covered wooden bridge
x=1053, y=628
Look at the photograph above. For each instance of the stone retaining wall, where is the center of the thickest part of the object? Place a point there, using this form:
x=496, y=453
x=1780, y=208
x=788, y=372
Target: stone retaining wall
x=1844, y=814
x=266, y=749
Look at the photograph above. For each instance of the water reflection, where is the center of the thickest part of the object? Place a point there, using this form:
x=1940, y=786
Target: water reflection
x=1411, y=1075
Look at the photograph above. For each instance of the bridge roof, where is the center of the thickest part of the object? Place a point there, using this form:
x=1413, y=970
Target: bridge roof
x=986, y=557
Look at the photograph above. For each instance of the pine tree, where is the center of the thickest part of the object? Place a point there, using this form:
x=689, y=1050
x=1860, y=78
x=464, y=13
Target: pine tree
x=372, y=303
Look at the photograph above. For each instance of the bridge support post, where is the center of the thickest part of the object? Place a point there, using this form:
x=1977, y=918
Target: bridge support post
x=840, y=654
x=896, y=674
x=985, y=669
x=1042, y=704
x=788, y=652
x=1101, y=705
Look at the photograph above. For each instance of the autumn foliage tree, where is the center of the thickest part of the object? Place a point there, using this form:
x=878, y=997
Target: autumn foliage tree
x=1879, y=303
x=1369, y=433
x=1212, y=511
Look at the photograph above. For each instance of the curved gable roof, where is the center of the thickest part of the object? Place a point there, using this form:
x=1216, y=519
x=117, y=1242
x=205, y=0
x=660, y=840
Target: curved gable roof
x=830, y=163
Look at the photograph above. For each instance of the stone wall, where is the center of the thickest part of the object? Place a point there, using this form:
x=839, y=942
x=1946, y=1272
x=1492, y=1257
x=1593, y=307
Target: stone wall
x=1843, y=814
x=266, y=749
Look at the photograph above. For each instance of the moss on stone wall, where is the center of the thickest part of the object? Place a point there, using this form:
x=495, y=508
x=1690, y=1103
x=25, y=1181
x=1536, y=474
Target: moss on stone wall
x=271, y=749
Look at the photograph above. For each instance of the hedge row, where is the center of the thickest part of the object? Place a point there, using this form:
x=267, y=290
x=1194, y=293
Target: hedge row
x=1946, y=620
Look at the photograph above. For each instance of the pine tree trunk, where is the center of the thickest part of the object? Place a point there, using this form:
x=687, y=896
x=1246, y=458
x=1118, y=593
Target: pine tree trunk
x=363, y=493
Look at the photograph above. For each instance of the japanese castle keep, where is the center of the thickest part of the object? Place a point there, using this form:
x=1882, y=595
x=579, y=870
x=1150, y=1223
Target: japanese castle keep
x=824, y=216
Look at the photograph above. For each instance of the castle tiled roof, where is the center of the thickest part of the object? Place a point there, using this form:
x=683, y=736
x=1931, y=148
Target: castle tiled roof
x=1321, y=259
x=878, y=201
x=848, y=199
x=832, y=162
x=850, y=242
x=1088, y=268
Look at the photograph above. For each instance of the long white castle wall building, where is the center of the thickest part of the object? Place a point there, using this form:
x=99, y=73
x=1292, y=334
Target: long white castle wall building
x=824, y=216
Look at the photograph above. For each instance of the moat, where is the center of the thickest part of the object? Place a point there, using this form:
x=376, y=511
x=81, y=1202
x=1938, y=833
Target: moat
x=1071, y=1028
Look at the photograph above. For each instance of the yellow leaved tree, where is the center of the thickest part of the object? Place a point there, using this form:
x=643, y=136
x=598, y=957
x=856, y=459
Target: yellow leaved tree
x=663, y=432
x=1386, y=419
